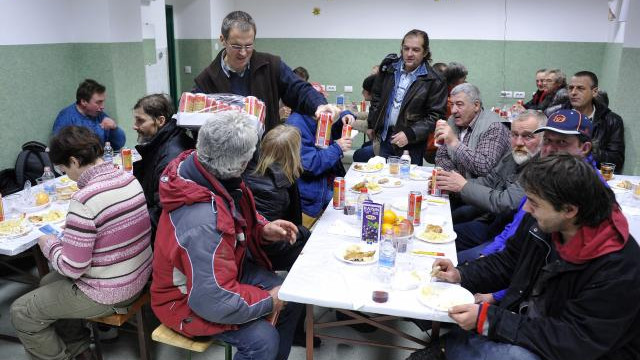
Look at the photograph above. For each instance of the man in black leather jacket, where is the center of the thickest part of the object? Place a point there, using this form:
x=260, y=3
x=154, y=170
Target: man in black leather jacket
x=608, y=127
x=160, y=140
x=408, y=98
x=573, y=272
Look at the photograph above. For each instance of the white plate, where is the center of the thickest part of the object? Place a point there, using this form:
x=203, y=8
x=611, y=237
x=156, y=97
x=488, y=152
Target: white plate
x=342, y=250
x=43, y=222
x=450, y=237
x=393, y=182
x=21, y=207
x=25, y=229
x=419, y=175
x=441, y=296
x=365, y=168
x=403, y=204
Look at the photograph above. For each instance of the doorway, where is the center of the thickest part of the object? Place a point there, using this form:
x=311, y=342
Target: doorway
x=171, y=48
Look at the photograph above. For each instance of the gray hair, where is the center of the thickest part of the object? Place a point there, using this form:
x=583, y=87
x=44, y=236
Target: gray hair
x=561, y=78
x=472, y=92
x=239, y=20
x=226, y=143
x=541, y=119
x=543, y=70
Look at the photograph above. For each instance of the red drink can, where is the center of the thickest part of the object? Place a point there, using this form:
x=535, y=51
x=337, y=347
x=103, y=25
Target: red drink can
x=1, y=209
x=346, y=130
x=186, y=102
x=496, y=110
x=415, y=207
x=127, y=159
x=210, y=104
x=199, y=102
x=338, y=193
x=363, y=105
x=433, y=188
x=323, y=133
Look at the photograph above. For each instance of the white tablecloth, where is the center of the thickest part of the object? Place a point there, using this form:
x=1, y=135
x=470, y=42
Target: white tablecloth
x=319, y=278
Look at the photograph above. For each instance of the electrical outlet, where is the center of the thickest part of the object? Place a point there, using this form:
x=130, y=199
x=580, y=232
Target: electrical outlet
x=331, y=88
x=506, y=94
x=518, y=94
x=348, y=88
x=187, y=69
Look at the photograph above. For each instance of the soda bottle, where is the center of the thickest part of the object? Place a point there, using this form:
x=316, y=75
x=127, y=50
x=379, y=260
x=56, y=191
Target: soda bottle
x=364, y=196
x=405, y=164
x=48, y=181
x=108, y=152
x=386, y=257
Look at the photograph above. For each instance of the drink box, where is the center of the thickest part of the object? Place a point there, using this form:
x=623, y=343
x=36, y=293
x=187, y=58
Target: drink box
x=371, y=222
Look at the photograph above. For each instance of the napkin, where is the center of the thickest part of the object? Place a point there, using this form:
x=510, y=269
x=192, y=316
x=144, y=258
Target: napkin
x=342, y=228
x=377, y=160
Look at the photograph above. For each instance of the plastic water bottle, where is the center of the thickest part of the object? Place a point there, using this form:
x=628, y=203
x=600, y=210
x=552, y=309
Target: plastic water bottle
x=108, y=152
x=405, y=164
x=48, y=181
x=386, y=257
x=364, y=196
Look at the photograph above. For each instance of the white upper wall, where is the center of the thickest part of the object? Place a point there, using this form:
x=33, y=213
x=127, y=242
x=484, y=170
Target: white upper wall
x=69, y=21
x=192, y=19
x=541, y=20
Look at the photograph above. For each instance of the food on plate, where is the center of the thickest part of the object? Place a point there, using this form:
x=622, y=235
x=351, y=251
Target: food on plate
x=355, y=253
x=13, y=227
x=625, y=184
x=389, y=181
x=368, y=167
x=434, y=233
x=48, y=217
x=435, y=270
x=444, y=298
x=369, y=185
x=42, y=198
x=64, y=180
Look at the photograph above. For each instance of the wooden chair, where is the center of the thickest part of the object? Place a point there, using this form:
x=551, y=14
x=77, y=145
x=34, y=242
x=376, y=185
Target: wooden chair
x=137, y=309
x=165, y=335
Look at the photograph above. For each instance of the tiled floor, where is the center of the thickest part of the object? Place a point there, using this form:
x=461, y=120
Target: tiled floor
x=126, y=346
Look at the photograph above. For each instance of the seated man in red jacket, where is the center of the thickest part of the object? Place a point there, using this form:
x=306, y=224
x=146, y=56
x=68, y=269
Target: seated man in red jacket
x=573, y=272
x=211, y=275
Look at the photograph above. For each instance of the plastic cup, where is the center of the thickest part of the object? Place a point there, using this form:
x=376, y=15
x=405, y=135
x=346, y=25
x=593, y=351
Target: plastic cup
x=394, y=165
x=607, y=169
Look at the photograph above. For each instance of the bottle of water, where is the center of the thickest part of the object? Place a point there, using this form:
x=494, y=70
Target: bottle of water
x=364, y=196
x=386, y=257
x=48, y=181
x=405, y=164
x=108, y=152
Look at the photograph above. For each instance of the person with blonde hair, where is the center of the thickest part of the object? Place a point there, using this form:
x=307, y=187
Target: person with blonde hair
x=274, y=188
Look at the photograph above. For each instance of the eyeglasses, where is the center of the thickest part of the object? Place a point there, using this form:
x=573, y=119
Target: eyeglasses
x=237, y=47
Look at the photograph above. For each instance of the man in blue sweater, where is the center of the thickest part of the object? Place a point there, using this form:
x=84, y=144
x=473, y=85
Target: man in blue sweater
x=88, y=111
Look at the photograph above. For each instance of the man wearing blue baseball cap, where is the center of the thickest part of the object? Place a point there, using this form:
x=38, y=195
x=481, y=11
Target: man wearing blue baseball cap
x=569, y=265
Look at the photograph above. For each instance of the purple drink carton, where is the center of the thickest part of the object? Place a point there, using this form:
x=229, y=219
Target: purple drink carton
x=371, y=221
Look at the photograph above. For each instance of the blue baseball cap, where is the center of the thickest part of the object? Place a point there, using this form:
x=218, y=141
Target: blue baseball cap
x=569, y=122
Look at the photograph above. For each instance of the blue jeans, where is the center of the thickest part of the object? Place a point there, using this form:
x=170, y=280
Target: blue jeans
x=471, y=234
x=471, y=254
x=363, y=154
x=258, y=339
x=464, y=345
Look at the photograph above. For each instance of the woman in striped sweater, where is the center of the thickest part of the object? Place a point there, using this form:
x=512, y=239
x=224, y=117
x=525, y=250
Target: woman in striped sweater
x=102, y=261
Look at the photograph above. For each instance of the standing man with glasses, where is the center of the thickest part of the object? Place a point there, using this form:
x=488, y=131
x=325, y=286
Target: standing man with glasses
x=241, y=70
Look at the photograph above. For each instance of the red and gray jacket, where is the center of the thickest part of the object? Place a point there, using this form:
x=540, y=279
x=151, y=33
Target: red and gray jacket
x=201, y=244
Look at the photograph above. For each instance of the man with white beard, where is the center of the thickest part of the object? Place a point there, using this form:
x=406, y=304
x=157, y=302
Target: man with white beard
x=498, y=193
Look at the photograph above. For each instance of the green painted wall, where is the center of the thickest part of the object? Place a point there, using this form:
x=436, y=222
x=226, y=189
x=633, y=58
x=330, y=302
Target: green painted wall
x=36, y=81
x=195, y=53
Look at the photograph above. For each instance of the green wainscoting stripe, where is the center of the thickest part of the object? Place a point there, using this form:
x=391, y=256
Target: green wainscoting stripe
x=39, y=80
x=149, y=50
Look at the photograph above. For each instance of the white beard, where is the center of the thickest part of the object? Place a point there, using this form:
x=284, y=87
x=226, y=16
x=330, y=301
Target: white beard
x=520, y=158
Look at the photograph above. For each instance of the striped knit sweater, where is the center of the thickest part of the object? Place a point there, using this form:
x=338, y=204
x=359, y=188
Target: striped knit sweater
x=106, y=244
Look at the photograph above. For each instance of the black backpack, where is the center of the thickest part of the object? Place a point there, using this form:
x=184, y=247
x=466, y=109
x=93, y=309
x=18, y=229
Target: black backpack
x=31, y=162
x=8, y=183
